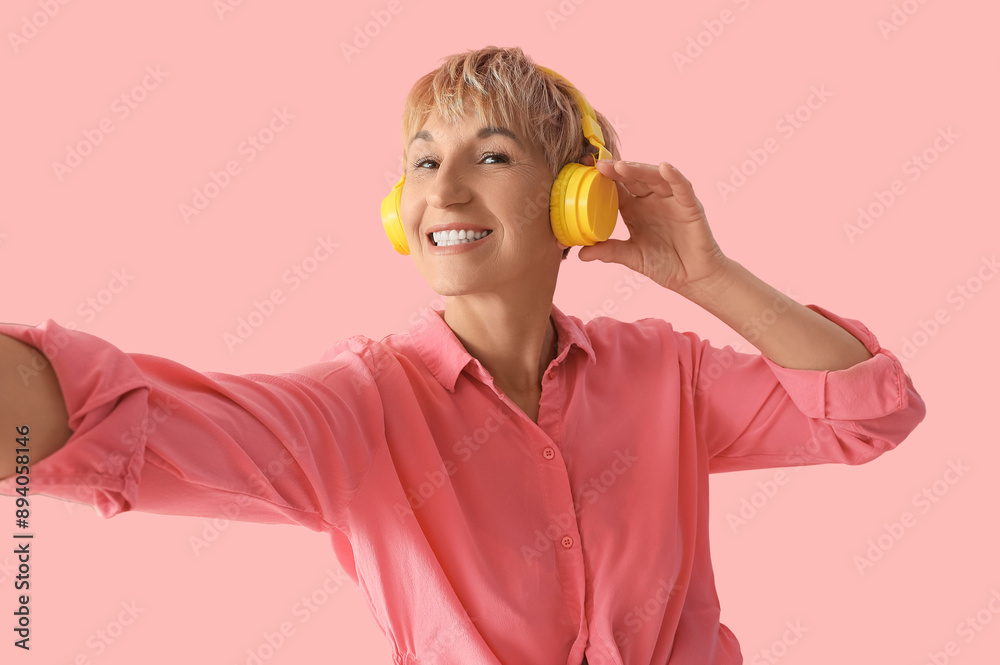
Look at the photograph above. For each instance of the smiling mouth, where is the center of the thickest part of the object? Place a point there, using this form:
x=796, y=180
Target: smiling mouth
x=448, y=238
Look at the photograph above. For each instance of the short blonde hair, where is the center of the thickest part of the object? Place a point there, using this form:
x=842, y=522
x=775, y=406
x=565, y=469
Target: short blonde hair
x=508, y=91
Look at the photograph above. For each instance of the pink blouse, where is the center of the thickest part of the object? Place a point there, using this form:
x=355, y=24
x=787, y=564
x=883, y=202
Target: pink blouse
x=476, y=535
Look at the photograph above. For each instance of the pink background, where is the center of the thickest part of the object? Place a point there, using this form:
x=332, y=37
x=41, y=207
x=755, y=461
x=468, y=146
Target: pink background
x=323, y=175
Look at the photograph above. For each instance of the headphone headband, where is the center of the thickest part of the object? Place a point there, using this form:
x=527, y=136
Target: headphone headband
x=588, y=118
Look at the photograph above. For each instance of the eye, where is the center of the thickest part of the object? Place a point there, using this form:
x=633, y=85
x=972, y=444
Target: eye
x=422, y=162
x=488, y=158
x=502, y=158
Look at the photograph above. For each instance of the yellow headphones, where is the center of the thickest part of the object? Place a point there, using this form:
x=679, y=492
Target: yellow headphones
x=583, y=205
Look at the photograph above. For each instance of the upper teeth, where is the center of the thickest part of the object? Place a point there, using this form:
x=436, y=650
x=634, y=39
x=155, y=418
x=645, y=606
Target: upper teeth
x=455, y=236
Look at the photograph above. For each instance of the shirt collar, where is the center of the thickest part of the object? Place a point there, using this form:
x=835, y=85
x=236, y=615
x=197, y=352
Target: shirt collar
x=445, y=356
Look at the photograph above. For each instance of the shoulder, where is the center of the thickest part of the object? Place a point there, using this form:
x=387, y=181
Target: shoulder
x=606, y=332
x=379, y=355
x=648, y=343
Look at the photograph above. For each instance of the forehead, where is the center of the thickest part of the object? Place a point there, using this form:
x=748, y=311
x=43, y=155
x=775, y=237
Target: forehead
x=470, y=127
x=438, y=130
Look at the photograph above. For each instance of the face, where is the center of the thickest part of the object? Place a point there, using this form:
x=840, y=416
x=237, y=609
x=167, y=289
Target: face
x=474, y=176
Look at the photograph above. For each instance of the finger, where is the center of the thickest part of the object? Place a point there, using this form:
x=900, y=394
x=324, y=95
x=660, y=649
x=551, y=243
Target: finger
x=646, y=174
x=608, y=251
x=637, y=188
x=681, y=186
x=634, y=187
x=624, y=199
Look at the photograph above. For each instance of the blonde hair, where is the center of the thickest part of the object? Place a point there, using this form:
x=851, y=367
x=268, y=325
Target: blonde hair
x=507, y=91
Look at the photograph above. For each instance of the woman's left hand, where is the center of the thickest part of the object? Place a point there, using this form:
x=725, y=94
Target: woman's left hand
x=669, y=239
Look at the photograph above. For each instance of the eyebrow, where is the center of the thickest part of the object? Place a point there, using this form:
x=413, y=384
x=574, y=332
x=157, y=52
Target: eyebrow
x=483, y=133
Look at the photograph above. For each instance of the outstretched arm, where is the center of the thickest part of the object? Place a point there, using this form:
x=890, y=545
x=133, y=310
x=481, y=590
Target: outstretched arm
x=149, y=434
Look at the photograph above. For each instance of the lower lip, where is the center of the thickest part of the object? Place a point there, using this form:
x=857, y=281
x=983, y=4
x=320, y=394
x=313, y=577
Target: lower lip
x=460, y=247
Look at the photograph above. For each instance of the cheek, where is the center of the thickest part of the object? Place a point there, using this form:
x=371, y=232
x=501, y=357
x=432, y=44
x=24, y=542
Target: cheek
x=530, y=213
x=409, y=207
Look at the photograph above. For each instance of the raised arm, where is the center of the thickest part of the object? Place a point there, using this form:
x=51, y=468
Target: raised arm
x=823, y=390
x=32, y=407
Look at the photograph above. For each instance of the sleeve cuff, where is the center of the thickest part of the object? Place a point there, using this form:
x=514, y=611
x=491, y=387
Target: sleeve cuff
x=96, y=378
x=870, y=389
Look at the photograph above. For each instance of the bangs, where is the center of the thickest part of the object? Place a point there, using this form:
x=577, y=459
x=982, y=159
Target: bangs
x=452, y=98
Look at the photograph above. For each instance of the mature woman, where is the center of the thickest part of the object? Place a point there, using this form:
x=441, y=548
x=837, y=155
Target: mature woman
x=506, y=483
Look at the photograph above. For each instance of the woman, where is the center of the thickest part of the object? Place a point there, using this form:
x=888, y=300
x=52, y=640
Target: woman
x=506, y=483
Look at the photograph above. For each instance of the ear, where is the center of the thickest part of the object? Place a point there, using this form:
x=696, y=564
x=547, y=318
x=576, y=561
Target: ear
x=588, y=160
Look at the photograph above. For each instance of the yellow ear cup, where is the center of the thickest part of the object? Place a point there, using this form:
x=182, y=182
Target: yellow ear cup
x=583, y=205
x=392, y=220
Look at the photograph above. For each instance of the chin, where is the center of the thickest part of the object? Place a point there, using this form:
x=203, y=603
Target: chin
x=447, y=288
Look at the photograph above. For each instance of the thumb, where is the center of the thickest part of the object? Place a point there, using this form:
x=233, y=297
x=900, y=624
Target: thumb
x=606, y=251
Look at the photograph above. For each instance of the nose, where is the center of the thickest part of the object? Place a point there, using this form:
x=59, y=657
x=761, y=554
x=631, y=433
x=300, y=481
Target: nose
x=447, y=187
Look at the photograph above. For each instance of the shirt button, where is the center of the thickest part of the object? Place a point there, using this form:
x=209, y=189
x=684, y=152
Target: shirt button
x=548, y=453
x=567, y=542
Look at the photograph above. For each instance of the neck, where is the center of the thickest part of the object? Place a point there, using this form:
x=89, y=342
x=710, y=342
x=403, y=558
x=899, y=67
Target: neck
x=515, y=342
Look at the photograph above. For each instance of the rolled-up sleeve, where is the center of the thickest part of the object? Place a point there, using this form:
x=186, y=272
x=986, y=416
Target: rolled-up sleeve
x=152, y=435
x=753, y=413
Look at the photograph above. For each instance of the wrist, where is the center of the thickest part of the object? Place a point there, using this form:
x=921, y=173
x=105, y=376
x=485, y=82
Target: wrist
x=711, y=288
